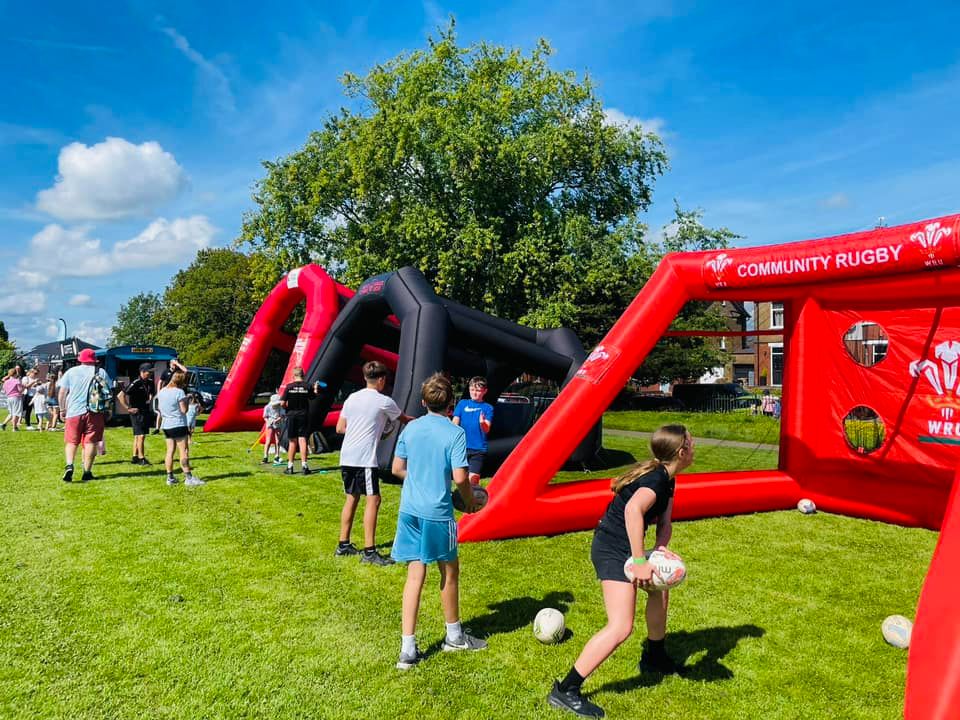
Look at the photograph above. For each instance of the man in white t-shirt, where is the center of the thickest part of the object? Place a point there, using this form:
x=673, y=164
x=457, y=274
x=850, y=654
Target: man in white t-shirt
x=366, y=417
x=82, y=425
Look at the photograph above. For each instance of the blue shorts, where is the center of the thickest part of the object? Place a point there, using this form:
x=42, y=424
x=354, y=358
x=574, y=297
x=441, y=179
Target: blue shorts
x=424, y=540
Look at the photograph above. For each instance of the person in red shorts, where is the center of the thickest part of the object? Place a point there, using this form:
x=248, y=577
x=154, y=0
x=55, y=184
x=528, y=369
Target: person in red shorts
x=81, y=389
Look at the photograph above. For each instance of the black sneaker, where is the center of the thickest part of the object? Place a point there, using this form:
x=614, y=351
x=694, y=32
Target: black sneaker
x=288, y=471
x=662, y=664
x=135, y=460
x=155, y=432
x=264, y=461
x=307, y=471
x=144, y=461
x=375, y=558
x=346, y=550
x=572, y=701
x=68, y=474
x=87, y=476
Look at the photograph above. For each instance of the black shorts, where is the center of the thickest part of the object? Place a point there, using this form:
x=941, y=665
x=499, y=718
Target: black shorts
x=298, y=426
x=360, y=481
x=475, y=460
x=177, y=433
x=608, y=559
x=141, y=422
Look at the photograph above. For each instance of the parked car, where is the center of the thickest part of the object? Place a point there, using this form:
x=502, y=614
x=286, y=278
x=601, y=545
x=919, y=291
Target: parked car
x=630, y=400
x=714, y=397
x=206, y=383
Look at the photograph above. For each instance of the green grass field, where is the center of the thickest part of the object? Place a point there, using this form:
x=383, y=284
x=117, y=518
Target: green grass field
x=124, y=598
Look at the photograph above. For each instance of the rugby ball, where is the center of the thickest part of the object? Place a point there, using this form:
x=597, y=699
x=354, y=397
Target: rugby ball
x=548, y=626
x=807, y=506
x=897, y=630
x=480, y=497
x=668, y=570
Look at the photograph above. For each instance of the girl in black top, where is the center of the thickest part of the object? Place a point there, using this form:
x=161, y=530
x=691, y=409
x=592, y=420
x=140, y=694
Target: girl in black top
x=642, y=496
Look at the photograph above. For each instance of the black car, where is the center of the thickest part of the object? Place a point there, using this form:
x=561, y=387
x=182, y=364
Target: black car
x=205, y=383
x=714, y=397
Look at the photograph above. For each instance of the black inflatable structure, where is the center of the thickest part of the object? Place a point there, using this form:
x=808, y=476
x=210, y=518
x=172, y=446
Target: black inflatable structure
x=400, y=311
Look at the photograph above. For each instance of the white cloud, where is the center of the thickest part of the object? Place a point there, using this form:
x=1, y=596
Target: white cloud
x=56, y=251
x=837, y=201
x=612, y=116
x=80, y=300
x=209, y=76
x=111, y=180
x=92, y=333
x=25, y=303
x=165, y=242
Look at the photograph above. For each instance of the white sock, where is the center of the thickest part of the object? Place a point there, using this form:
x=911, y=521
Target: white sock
x=408, y=644
x=303, y=463
x=454, y=631
x=290, y=464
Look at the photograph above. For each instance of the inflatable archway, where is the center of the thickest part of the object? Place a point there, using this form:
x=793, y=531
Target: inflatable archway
x=903, y=278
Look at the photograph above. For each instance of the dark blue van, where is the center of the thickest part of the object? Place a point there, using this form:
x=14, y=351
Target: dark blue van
x=122, y=365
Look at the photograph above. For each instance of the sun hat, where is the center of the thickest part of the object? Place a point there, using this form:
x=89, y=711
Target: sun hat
x=274, y=399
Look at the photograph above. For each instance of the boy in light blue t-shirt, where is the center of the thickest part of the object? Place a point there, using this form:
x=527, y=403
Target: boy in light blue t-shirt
x=431, y=452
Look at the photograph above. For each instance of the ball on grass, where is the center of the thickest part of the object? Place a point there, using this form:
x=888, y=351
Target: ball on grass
x=807, y=506
x=548, y=626
x=897, y=630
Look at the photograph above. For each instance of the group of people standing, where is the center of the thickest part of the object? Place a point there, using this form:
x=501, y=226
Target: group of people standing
x=27, y=393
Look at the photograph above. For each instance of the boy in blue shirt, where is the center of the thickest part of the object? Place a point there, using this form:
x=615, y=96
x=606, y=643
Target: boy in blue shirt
x=430, y=454
x=475, y=416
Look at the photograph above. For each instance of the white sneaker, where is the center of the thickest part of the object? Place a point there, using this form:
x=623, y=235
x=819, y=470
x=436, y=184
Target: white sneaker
x=30, y=427
x=408, y=661
x=172, y=480
x=193, y=481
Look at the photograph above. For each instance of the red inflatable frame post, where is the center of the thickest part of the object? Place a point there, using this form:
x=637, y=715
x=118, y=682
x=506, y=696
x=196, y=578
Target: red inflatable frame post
x=323, y=297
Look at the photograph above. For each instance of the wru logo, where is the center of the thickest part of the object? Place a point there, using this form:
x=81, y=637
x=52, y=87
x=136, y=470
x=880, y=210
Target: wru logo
x=943, y=376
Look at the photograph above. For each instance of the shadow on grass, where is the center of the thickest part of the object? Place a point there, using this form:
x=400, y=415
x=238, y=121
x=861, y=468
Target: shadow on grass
x=510, y=615
x=223, y=476
x=717, y=642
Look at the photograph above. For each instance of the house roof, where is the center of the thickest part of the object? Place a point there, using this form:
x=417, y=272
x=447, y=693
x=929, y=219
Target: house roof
x=46, y=352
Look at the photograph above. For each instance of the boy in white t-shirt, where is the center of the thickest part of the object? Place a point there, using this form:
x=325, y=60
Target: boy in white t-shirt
x=366, y=417
x=40, y=407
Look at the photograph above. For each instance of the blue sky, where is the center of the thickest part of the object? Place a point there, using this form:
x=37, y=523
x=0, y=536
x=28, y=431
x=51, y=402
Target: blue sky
x=130, y=137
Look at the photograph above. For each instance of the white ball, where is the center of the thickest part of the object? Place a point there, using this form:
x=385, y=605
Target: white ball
x=807, y=506
x=668, y=571
x=897, y=630
x=548, y=626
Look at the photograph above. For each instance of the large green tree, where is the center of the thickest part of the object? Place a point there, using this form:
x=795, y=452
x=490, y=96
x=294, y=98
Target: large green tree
x=495, y=175
x=499, y=177
x=208, y=307
x=138, y=321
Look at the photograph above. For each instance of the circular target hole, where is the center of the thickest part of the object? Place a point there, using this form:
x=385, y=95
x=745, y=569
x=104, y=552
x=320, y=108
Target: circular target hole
x=866, y=342
x=863, y=429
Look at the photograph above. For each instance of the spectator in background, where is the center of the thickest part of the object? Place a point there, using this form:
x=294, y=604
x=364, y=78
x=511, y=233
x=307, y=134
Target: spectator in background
x=40, y=406
x=193, y=409
x=13, y=390
x=172, y=401
x=767, y=404
x=83, y=389
x=29, y=382
x=137, y=399
x=52, y=405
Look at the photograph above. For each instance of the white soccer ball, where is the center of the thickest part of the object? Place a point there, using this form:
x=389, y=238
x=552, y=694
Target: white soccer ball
x=897, y=630
x=668, y=571
x=807, y=506
x=548, y=626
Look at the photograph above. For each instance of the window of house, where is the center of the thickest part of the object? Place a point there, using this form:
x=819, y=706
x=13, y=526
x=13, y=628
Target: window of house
x=776, y=315
x=866, y=343
x=776, y=363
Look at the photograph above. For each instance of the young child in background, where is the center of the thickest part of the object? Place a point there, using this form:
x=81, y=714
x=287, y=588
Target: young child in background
x=40, y=407
x=193, y=408
x=272, y=421
x=475, y=416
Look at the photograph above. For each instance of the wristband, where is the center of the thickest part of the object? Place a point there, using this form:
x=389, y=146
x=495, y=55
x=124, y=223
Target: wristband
x=638, y=560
